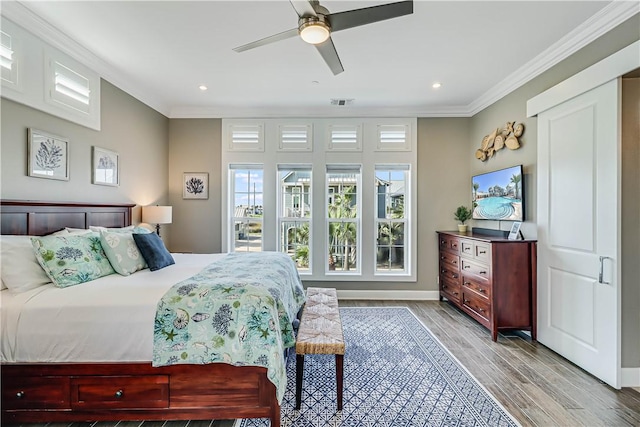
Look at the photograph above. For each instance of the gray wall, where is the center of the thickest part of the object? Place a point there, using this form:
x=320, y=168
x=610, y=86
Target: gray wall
x=630, y=222
x=138, y=133
x=195, y=146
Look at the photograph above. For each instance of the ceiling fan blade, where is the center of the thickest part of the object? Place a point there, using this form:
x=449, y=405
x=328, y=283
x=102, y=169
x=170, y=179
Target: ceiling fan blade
x=274, y=38
x=303, y=8
x=330, y=56
x=368, y=15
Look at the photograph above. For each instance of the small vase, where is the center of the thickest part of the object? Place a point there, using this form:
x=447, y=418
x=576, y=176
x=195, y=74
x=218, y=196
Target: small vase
x=462, y=228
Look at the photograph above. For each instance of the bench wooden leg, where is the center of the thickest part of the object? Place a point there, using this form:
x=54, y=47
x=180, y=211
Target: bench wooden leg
x=299, y=372
x=339, y=378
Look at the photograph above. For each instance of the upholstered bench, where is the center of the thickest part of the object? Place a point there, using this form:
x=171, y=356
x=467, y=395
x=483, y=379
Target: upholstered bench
x=320, y=332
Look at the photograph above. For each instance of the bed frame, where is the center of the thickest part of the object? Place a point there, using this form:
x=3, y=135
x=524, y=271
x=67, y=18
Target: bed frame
x=68, y=392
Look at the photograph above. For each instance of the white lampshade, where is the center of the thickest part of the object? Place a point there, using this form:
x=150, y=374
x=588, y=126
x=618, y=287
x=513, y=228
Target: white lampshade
x=314, y=33
x=157, y=214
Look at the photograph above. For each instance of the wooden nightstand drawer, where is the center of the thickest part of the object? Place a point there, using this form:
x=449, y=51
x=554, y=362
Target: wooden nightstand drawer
x=35, y=393
x=148, y=391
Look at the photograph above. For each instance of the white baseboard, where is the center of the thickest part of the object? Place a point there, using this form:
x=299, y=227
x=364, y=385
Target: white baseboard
x=389, y=295
x=630, y=377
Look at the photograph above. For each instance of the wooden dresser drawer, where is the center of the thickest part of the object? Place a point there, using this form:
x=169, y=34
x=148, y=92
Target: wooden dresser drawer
x=449, y=272
x=35, y=393
x=480, y=306
x=449, y=243
x=478, y=269
x=480, y=251
x=147, y=391
x=481, y=287
x=451, y=290
x=450, y=260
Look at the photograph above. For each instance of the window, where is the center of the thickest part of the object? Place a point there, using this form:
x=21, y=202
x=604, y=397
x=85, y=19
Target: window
x=8, y=62
x=246, y=209
x=391, y=225
x=341, y=208
x=343, y=218
x=294, y=215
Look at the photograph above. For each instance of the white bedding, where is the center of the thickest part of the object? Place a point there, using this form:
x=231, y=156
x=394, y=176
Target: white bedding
x=106, y=320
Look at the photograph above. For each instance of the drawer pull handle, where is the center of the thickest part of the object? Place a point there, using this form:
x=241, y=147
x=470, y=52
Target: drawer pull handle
x=467, y=301
x=455, y=276
x=442, y=242
x=119, y=394
x=466, y=283
x=483, y=252
x=481, y=310
x=483, y=272
x=455, y=293
x=482, y=291
x=467, y=266
x=20, y=395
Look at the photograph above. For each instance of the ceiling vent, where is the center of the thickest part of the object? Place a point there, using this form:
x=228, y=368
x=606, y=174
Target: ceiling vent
x=341, y=102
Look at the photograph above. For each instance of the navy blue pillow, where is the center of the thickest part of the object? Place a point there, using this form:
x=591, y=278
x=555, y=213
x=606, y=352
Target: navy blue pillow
x=153, y=251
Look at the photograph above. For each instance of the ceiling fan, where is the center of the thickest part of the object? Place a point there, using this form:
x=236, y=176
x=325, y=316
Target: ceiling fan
x=315, y=25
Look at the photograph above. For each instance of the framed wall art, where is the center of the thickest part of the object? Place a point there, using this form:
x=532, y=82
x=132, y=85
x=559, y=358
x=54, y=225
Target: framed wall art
x=106, y=167
x=48, y=155
x=195, y=185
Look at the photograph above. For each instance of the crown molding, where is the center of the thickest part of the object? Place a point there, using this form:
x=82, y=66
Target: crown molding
x=606, y=19
x=21, y=15
x=320, y=112
x=609, y=17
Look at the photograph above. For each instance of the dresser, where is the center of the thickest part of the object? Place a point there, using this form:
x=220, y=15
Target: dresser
x=490, y=278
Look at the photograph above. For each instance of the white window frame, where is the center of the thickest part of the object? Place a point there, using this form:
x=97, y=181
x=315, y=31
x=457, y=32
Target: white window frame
x=346, y=169
x=406, y=169
x=283, y=216
x=233, y=219
x=367, y=156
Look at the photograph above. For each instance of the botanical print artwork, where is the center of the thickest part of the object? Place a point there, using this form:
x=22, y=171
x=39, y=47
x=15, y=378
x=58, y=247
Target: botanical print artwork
x=105, y=167
x=195, y=186
x=48, y=156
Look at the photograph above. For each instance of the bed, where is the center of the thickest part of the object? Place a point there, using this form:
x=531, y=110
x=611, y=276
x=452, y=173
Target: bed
x=42, y=381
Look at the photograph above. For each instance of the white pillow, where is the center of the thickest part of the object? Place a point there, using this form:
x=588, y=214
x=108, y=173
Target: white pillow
x=98, y=228
x=20, y=269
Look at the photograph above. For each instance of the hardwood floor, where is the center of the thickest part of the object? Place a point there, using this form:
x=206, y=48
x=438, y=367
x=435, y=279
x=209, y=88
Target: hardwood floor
x=538, y=387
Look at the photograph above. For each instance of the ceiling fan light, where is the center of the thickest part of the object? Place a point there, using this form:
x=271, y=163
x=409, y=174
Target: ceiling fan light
x=314, y=32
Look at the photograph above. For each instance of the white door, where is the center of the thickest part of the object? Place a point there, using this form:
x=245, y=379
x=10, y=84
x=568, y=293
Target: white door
x=578, y=235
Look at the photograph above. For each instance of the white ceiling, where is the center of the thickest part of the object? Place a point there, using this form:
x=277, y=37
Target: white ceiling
x=161, y=51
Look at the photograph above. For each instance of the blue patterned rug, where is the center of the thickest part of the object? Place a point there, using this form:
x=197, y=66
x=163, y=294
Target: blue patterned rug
x=396, y=374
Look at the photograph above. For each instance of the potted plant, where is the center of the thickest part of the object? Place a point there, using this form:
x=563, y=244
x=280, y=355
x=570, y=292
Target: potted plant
x=462, y=214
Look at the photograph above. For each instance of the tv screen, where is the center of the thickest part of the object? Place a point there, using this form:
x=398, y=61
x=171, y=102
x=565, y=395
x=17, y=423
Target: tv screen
x=498, y=195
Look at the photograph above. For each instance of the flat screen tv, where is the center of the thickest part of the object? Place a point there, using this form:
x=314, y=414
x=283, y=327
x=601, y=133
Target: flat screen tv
x=498, y=195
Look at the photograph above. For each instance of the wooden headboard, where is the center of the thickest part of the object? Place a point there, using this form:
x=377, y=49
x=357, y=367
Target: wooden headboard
x=36, y=218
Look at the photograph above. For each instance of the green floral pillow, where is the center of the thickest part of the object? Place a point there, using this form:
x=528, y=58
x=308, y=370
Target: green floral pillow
x=72, y=259
x=123, y=254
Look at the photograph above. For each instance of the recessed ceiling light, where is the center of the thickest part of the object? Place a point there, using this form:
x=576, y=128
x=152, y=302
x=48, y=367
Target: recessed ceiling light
x=202, y=87
x=436, y=85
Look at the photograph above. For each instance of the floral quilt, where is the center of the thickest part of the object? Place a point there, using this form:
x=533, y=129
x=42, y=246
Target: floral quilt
x=238, y=310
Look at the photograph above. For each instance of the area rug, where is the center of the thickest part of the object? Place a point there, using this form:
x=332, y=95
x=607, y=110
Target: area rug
x=396, y=374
